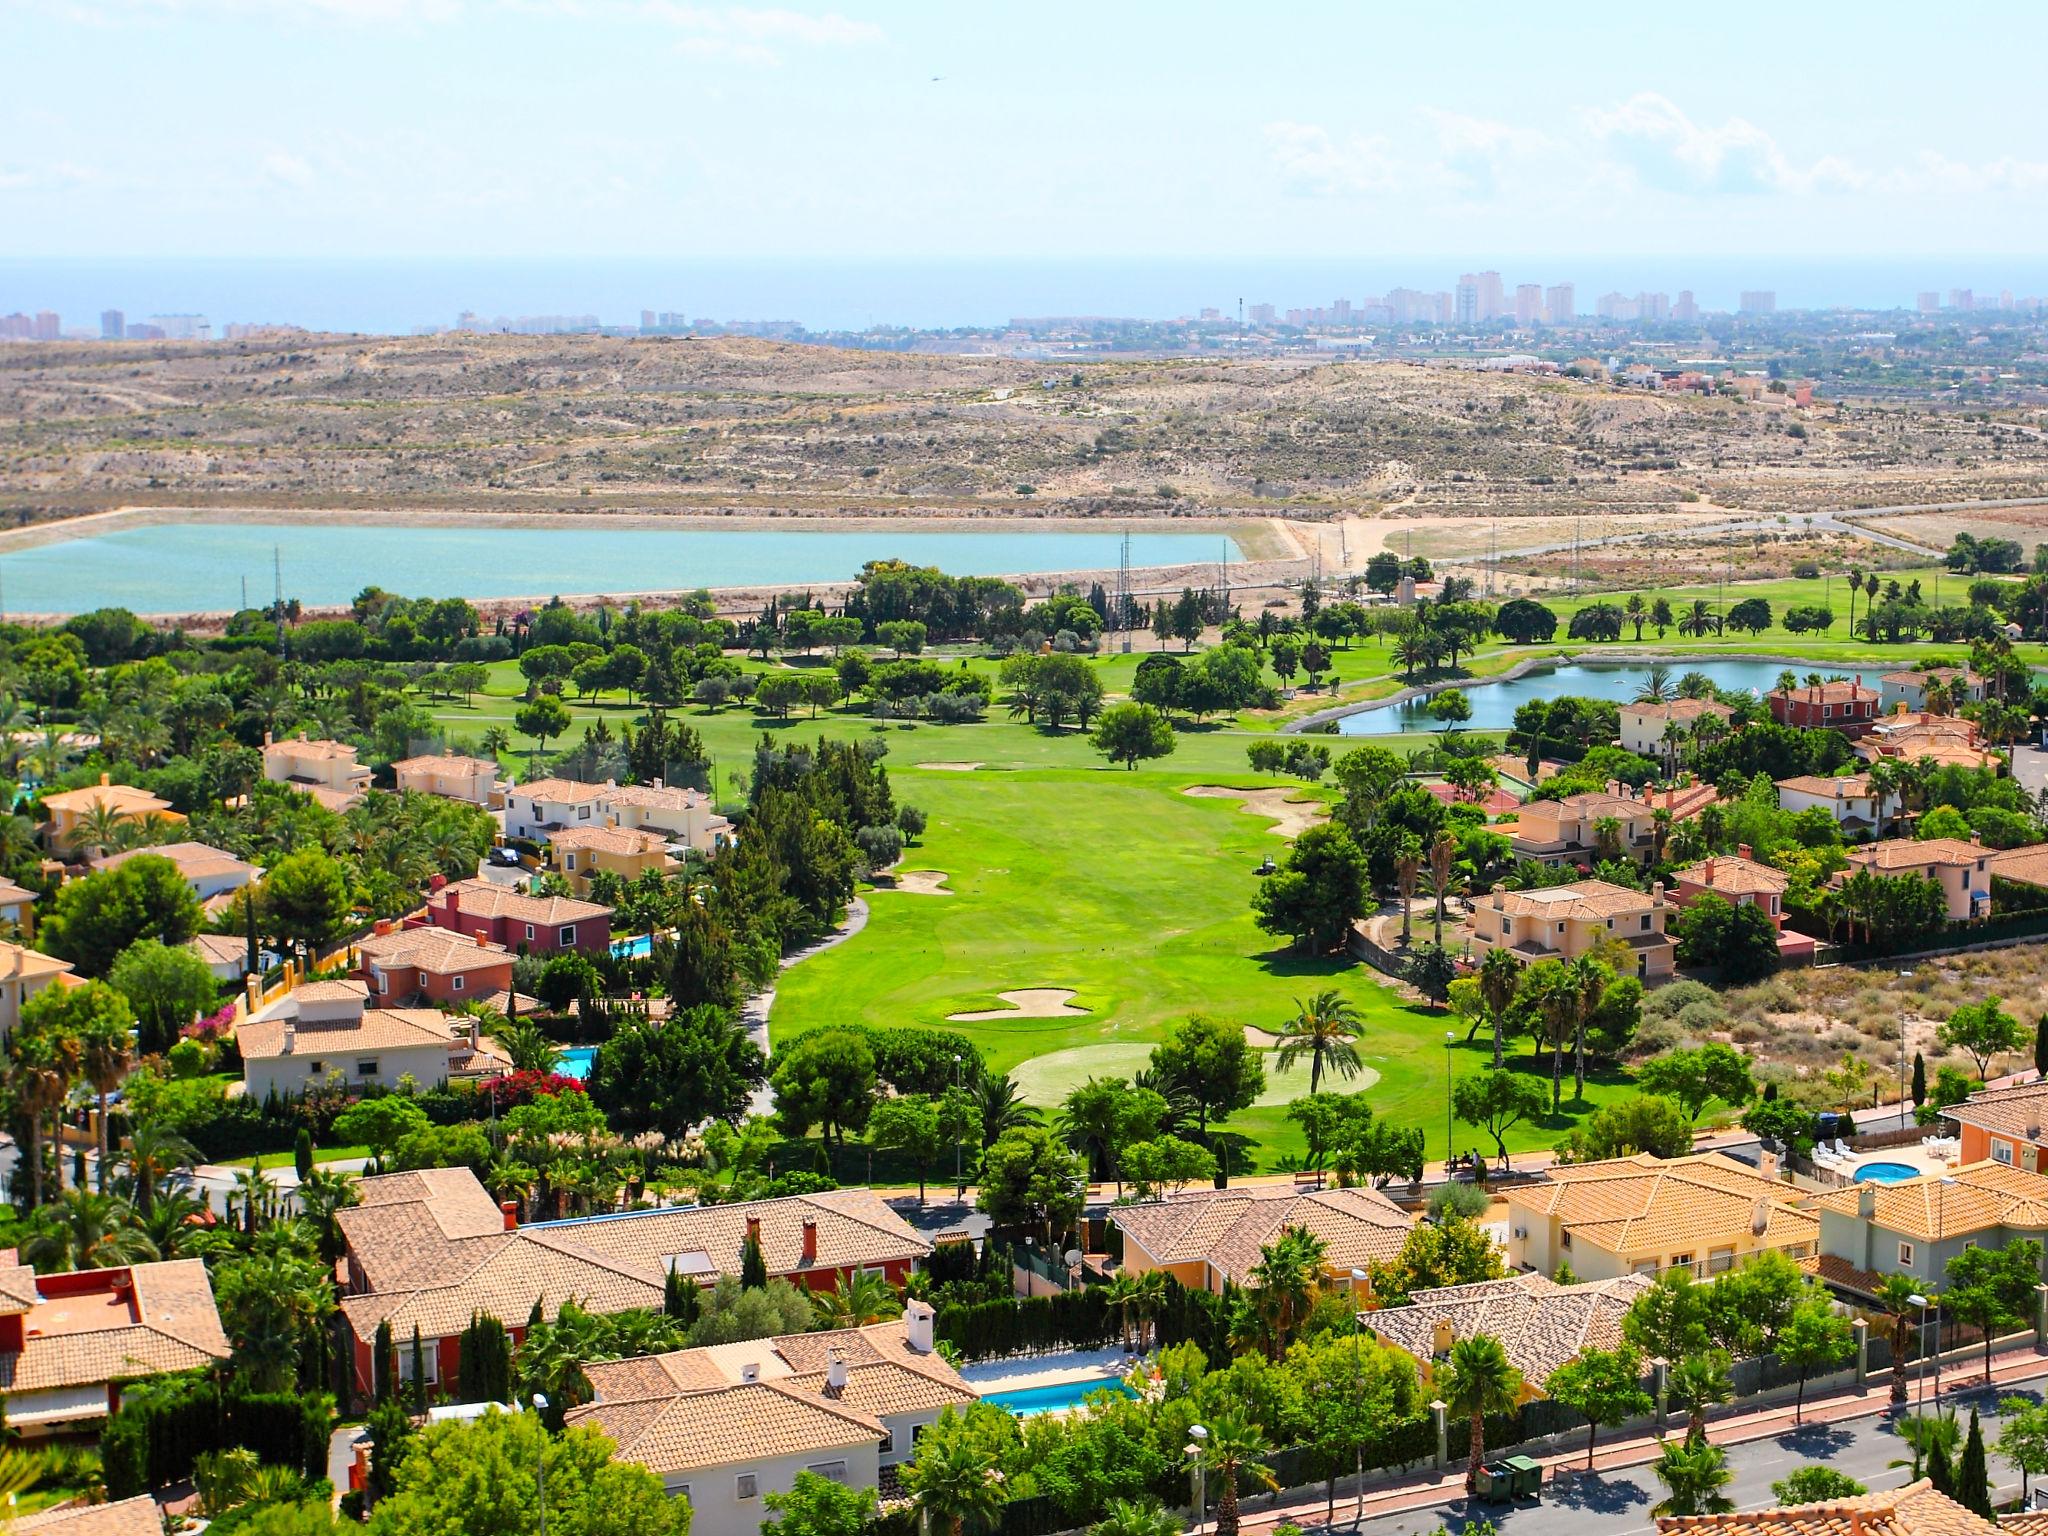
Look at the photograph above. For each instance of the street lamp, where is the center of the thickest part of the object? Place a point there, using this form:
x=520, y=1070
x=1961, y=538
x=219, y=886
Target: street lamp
x=1940, y=1236
x=1917, y=1300
x=1358, y=1278
x=1903, y=976
x=1197, y=1435
x=1450, y=1072
x=540, y=1408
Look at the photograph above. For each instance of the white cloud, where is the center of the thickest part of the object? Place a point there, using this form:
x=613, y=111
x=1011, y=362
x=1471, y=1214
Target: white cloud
x=1655, y=138
x=1935, y=172
x=1478, y=152
x=286, y=169
x=1311, y=161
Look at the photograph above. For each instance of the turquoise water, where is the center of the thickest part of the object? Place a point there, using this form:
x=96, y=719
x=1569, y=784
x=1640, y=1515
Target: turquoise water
x=1494, y=704
x=632, y=949
x=200, y=567
x=576, y=1061
x=1024, y=1401
x=1886, y=1173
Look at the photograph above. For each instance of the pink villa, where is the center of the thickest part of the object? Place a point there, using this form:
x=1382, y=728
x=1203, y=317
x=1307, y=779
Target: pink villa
x=1742, y=881
x=521, y=923
x=1843, y=705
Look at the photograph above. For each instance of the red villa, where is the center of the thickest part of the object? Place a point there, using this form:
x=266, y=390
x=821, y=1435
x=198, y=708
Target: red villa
x=539, y=925
x=1842, y=705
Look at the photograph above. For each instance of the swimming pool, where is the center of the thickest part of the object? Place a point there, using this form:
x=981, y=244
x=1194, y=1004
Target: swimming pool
x=575, y=1061
x=1886, y=1173
x=634, y=948
x=1055, y=1397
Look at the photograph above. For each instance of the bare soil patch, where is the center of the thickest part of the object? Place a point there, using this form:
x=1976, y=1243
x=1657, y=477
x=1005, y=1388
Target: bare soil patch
x=921, y=882
x=949, y=767
x=1026, y=1003
x=1291, y=817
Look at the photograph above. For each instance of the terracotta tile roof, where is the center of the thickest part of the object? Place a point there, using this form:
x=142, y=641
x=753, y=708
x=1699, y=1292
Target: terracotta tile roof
x=1645, y=1204
x=1919, y=679
x=323, y=750
x=562, y=791
x=2024, y=1523
x=1841, y=690
x=11, y=894
x=481, y=898
x=438, y=950
x=1852, y=786
x=1679, y=709
x=219, y=948
x=19, y=960
x=1910, y=853
x=1736, y=876
x=432, y=1255
x=138, y=1516
x=1980, y=1196
x=669, y=797
x=447, y=762
x=751, y=1422
x=195, y=861
x=169, y=1324
x=375, y=1029
x=2029, y=865
x=2017, y=1111
x=1914, y=1510
x=1541, y=1324
x=125, y=798
x=17, y=1284
x=1227, y=1227
x=1582, y=898
x=1839, y=1272
x=621, y=840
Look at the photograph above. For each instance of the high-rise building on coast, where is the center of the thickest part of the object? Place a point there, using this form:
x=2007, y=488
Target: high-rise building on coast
x=1928, y=302
x=112, y=325
x=1685, y=310
x=47, y=326
x=1466, y=311
x=1560, y=304
x=1528, y=304
x=1758, y=301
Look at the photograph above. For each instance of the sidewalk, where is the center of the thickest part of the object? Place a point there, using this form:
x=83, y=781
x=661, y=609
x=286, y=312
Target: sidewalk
x=1426, y=1490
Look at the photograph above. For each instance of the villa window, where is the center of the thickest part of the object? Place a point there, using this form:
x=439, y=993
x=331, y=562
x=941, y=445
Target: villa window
x=831, y=1471
x=366, y=1068
x=746, y=1486
x=1646, y=922
x=316, y=1068
x=1683, y=1260
x=888, y=1445
x=1564, y=1240
x=1720, y=1260
x=1905, y=1255
x=570, y=862
x=455, y=984
x=567, y=937
x=2001, y=1152
x=583, y=813
x=529, y=930
x=383, y=981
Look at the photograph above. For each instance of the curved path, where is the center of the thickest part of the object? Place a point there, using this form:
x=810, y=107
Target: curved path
x=754, y=1012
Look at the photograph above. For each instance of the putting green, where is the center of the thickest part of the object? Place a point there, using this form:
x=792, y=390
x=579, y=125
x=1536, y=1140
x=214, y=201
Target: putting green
x=1046, y=1080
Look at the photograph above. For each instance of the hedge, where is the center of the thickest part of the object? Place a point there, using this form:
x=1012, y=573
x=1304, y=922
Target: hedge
x=163, y=1428
x=986, y=1330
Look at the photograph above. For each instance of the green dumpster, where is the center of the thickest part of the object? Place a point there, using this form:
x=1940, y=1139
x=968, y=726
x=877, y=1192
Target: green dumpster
x=1524, y=1477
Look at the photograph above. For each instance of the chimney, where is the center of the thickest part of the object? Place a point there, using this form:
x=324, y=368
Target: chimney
x=1440, y=1338
x=1499, y=899
x=1760, y=1218
x=509, y=1209
x=382, y=926
x=1742, y=851
x=1710, y=871
x=754, y=1230
x=291, y=1036
x=106, y=779
x=436, y=881
x=750, y=1371
x=917, y=1325
x=835, y=1374
x=810, y=1239
x=1866, y=1200
x=482, y=939
x=1767, y=1165
x=267, y=741
x=2034, y=1123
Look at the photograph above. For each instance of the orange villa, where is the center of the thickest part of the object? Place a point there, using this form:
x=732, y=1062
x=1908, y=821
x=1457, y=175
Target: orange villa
x=1963, y=870
x=67, y=808
x=1564, y=921
x=1207, y=1238
x=452, y=776
x=581, y=852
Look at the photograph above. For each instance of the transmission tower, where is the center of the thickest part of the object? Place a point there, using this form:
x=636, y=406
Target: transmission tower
x=1123, y=592
x=277, y=595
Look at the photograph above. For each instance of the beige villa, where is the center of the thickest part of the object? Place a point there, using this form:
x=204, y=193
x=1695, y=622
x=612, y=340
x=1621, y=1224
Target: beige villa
x=1567, y=830
x=452, y=776
x=326, y=770
x=1963, y=870
x=1565, y=921
x=1207, y=1238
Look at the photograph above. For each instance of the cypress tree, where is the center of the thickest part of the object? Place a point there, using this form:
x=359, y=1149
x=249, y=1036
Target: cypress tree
x=1920, y=1075
x=383, y=1358
x=1939, y=1472
x=1770, y=1092
x=753, y=1266
x=536, y=1317
x=679, y=1298
x=419, y=1372
x=302, y=1152
x=2041, y=1046
x=1973, y=1477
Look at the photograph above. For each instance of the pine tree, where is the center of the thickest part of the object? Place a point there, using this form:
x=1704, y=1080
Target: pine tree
x=753, y=1266
x=1920, y=1077
x=536, y=1317
x=1973, y=1477
x=381, y=1364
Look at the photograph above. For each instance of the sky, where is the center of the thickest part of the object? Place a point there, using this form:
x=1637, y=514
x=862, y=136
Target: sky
x=962, y=128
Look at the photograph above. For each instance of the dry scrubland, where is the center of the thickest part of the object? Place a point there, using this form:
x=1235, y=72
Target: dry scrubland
x=1747, y=554
x=581, y=423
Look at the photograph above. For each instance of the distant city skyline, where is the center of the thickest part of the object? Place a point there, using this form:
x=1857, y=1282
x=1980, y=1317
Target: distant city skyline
x=325, y=129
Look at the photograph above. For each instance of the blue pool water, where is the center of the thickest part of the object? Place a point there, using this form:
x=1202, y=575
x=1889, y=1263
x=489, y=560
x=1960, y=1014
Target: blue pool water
x=576, y=1061
x=1886, y=1173
x=634, y=948
x=1024, y=1401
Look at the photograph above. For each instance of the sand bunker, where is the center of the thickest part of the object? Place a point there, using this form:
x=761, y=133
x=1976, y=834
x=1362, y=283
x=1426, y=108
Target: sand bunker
x=1027, y=1003
x=1260, y=1039
x=949, y=767
x=1290, y=817
x=922, y=882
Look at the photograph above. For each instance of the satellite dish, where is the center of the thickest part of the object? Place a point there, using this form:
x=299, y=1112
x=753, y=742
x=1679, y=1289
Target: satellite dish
x=1073, y=1257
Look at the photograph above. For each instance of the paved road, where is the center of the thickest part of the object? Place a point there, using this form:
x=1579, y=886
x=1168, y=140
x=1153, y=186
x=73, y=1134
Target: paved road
x=1621, y=1500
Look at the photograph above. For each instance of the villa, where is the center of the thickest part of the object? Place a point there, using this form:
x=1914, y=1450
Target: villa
x=1742, y=881
x=534, y=810
x=326, y=770
x=1643, y=724
x=1207, y=1238
x=1962, y=870
x=730, y=1424
x=17, y=908
x=1914, y=1227
x=2004, y=1126
x=1841, y=705
x=583, y=852
x=1562, y=922
x=432, y=965
x=517, y=921
x=326, y=1030
x=23, y=973
x=212, y=873
x=1857, y=808
x=68, y=808
x=1945, y=740
x=1643, y=1215
x=680, y=817
x=1908, y=690
x=452, y=776
x=431, y=1250
x=1540, y=1323
x=1568, y=830
x=1914, y=1510
x=68, y=1342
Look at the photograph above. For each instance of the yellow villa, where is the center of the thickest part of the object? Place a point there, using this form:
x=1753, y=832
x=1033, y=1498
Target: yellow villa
x=1564, y=921
x=581, y=852
x=69, y=809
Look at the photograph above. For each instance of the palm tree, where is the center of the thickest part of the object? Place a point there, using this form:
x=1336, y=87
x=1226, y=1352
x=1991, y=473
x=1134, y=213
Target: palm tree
x=1699, y=1383
x=1925, y=1433
x=322, y=1195
x=1002, y=1107
x=1500, y=978
x=1557, y=1001
x=1444, y=881
x=1672, y=740
x=496, y=741
x=1284, y=1285
x=527, y=1047
x=1323, y=1029
x=1693, y=1474
x=1855, y=585
x=82, y=1230
x=1479, y=1379
x=103, y=1058
x=1898, y=1300
x=1636, y=610
x=98, y=828
x=174, y=1218
x=952, y=1481
x=1589, y=979
x=155, y=1156
x=1657, y=687
x=1232, y=1451
x=1130, y=1517
x=1407, y=868
x=860, y=1298
x=40, y=1069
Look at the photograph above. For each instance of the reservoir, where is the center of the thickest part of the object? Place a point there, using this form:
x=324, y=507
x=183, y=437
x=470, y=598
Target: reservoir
x=1494, y=704
x=189, y=567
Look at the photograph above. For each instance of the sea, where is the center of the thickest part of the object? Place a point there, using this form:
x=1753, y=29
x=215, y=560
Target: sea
x=400, y=295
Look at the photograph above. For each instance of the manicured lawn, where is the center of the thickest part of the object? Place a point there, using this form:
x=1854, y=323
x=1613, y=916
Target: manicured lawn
x=273, y=1161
